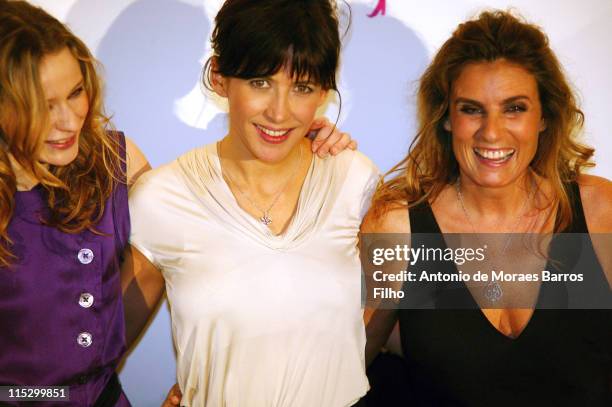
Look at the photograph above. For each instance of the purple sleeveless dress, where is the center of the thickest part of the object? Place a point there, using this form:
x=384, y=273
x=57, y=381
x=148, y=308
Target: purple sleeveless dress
x=61, y=315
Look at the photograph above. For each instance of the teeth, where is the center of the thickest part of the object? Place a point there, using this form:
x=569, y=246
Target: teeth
x=494, y=154
x=273, y=133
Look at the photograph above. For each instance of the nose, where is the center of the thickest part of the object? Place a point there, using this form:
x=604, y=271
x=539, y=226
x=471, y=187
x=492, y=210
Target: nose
x=278, y=109
x=65, y=117
x=492, y=127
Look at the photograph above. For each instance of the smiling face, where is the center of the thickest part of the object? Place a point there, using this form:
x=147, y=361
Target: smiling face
x=495, y=119
x=62, y=83
x=269, y=116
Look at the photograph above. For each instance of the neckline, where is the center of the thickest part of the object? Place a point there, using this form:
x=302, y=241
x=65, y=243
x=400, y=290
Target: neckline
x=482, y=317
x=30, y=204
x=264, y=230
x=35, y=188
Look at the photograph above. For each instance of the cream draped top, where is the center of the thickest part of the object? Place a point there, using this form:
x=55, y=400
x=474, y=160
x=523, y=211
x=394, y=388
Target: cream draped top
x=259, y=319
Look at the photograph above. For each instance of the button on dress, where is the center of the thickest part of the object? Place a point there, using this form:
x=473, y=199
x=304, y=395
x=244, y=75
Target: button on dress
x=61, y=315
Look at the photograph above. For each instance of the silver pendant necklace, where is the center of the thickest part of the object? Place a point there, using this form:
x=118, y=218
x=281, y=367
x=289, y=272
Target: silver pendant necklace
x=493, y=290
x=265, y=218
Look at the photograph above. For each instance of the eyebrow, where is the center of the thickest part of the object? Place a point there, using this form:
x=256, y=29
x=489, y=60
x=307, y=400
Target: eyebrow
x=505, y=101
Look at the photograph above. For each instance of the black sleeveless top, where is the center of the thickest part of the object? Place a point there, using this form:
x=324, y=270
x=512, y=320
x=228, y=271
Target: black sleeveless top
x=455, y=357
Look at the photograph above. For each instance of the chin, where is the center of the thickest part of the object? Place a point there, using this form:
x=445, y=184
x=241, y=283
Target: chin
x=494, y=180
x=271, y=157
x=273, y=153
x=60, y=158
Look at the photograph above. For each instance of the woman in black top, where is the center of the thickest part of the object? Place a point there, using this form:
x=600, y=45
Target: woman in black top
x=496, y=152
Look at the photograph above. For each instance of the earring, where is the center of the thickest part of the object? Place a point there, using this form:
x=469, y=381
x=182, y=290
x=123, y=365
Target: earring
x=447, y=125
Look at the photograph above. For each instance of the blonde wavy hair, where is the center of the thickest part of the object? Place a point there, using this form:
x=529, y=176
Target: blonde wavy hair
x=75, y=193
x=431, y=164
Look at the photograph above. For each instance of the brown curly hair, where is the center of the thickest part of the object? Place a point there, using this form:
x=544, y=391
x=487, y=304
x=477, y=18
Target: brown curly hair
x=431, y=164
x=75, y=193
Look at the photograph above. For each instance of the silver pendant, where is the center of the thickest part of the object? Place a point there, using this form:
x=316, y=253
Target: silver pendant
x=265, y=219
x=493, y=291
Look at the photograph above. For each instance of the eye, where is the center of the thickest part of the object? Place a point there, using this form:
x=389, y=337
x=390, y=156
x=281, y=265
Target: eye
x=259, y=83
x=516, y=108
x=304, y=88
x=470, y=109
x=77, y=92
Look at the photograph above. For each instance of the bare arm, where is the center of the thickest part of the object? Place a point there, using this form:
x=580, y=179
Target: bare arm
x=143, y=286
x=381, y=329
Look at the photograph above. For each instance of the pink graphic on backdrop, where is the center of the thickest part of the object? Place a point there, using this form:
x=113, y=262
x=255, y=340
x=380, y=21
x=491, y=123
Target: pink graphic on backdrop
x=380, y=9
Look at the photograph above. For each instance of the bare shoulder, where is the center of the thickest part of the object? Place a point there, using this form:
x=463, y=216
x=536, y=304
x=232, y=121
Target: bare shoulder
x=391, y=219
x=594, y=183
x=596, y=196
x=137, y=163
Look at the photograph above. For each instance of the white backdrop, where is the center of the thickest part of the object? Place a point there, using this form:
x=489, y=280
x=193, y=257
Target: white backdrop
x=152, y=52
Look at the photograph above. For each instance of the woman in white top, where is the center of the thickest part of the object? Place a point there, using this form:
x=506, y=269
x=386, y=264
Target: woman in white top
x=256, y=237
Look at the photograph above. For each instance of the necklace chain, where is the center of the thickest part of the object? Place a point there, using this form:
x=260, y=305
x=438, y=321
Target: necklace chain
x=265, y=218
x=522, y=212
x=493, y=290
